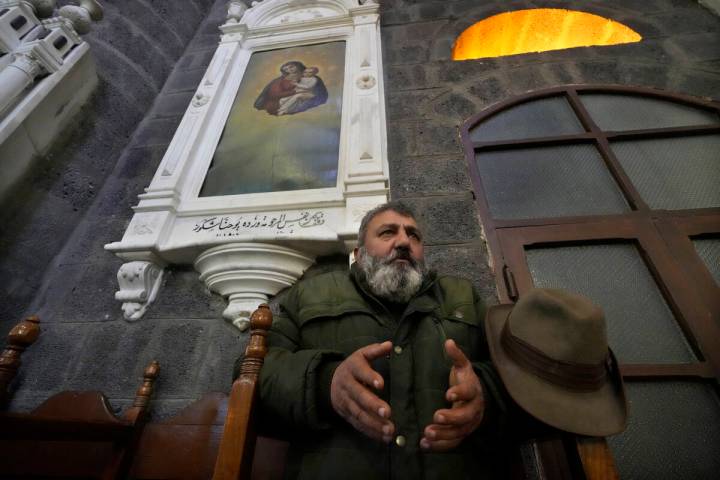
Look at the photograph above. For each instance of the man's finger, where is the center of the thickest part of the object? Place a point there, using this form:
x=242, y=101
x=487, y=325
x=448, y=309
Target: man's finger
x=367, y=423
x=376, y=350
x=462, y=415
x=436, y=432
x=361, y=368
x=369, y=402
x=439, y=445
x=364, y=374
x=456, y=355
x=464, y=392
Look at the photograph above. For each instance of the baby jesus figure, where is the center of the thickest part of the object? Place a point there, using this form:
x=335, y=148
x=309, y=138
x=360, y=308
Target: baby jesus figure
x=304, y=90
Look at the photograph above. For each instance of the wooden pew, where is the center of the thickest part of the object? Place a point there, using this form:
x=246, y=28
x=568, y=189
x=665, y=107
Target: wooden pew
x=215, y=437
x=71, y=435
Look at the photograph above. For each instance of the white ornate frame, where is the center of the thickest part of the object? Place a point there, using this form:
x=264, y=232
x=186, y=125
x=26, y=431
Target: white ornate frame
x=250, y=246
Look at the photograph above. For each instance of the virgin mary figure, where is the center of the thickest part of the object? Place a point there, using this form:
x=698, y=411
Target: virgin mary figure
x=286, y=86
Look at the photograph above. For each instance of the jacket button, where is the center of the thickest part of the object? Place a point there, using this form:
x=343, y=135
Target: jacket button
x=398, y=349
x=400, y=441
x=458, y=314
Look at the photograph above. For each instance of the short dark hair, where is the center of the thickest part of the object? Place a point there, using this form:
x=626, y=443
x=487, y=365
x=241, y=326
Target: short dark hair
x=394, y=206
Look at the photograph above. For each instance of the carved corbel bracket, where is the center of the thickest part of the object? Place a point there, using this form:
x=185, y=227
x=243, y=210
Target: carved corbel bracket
x=139, y=285
x=247, y=274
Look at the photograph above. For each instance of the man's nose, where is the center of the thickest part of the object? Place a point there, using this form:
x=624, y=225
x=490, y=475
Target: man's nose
x=402, y=238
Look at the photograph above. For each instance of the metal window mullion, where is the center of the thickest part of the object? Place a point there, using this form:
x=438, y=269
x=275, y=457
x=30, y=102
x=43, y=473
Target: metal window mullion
x=662, y=132
x=538, y=142
x=603, y=145
x=698, y=282
x=695, y=320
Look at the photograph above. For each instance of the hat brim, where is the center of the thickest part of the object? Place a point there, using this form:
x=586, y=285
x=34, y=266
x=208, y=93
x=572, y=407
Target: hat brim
x=601, y=412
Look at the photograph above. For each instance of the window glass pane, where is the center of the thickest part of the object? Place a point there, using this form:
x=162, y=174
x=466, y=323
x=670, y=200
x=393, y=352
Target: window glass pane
x=674, y=173
x=641, y=327
x=553, y=181
x=673, y=432
x=626, y=112
x=709, y=251
x=539, y=118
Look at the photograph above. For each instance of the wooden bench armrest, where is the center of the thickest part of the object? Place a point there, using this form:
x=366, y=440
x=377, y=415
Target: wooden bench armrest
x=596, y=458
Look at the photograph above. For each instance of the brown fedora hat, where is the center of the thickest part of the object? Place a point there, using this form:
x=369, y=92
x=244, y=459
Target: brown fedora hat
x=551, y=351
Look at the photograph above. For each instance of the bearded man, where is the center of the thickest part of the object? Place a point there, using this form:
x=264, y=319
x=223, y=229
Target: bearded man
x=384, y=372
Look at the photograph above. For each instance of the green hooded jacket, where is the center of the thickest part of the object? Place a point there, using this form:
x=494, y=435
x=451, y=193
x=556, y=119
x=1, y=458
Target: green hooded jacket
x=323, y=320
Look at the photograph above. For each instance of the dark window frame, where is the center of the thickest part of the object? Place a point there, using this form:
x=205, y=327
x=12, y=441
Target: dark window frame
x=663, y=237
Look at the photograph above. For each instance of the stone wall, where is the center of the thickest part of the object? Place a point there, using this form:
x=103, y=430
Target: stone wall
x=150, y=56
x=429, y=96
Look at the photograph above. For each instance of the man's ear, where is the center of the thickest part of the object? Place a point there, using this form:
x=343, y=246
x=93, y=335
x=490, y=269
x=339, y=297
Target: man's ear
x=353, y=257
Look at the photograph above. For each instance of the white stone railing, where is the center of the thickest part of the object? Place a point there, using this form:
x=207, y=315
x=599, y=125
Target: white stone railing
x=39, y=49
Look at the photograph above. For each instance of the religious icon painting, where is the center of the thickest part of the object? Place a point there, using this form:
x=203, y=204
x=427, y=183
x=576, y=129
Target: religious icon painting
x=283, y=131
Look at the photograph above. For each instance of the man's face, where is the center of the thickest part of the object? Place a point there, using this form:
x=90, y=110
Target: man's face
x=392, y=257
x=390, y=232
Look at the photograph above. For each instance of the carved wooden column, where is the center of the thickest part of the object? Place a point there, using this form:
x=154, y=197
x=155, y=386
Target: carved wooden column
x=142, y=397
x=238, y=441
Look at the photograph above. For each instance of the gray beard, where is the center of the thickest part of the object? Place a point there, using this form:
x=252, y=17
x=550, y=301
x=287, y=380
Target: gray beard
x=396, y=282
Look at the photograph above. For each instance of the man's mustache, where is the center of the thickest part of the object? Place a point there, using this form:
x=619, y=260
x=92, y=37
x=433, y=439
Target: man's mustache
x=400, y=254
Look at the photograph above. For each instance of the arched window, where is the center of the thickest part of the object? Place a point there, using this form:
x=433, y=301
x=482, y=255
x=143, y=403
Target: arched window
x=538, y=30
x=614, y=193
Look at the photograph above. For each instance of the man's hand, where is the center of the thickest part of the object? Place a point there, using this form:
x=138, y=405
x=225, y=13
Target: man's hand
x=452, y=425
x=351, y=395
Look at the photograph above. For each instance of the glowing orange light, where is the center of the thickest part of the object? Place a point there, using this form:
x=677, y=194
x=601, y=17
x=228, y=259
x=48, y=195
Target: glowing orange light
x=538, y=30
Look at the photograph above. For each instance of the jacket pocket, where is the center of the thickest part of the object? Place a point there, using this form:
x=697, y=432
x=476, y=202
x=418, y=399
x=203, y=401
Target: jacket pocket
x=462, y=324
x=344, y=331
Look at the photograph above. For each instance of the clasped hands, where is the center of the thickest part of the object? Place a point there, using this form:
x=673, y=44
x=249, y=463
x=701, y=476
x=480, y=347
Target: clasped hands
x=352, y=394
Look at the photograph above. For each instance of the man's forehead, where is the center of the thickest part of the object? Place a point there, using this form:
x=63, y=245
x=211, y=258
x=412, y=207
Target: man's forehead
x=393, y=218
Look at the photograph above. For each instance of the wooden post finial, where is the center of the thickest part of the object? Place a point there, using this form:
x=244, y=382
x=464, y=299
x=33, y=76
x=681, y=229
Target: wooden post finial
x=142, y=397
x=261, y=318
x=139, y=408
x=20, y=337
x=260, y=323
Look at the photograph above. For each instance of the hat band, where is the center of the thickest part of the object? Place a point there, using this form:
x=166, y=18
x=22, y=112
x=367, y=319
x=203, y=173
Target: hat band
x=582, y=377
